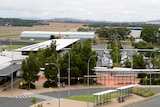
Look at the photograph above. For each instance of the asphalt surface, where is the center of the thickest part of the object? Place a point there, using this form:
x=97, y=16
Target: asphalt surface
x=153, y=101
x=8, y=42
x=26, y=102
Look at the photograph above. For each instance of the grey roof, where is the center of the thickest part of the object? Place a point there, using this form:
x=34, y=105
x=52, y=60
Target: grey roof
x=9, y=70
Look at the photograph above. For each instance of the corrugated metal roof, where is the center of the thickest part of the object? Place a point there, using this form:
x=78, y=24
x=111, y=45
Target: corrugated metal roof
x=60, y=44
x=64, y=33
x=47, y=34
x=4, y=62
x=104, y=69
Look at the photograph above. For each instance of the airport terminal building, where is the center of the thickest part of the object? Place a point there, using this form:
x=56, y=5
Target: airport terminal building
x=43, y=35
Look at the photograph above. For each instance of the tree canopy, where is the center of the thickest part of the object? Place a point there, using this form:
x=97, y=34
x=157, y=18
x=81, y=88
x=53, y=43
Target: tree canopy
x=109, y=32
x=30, y=68
x=138, y=62
x=80, y=53
x=150, y=34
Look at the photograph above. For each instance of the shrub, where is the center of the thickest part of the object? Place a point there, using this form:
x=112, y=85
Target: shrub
x=144, y=92
x=154, y=81
x=26, y=86
x=48, y=84
x=142, y=75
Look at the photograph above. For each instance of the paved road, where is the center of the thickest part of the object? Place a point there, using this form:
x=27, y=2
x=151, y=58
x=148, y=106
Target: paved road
x=7, y=42
x=151, y=102
x=24, y=101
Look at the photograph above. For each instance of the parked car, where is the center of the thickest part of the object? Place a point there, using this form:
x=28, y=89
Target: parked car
x=107, y=62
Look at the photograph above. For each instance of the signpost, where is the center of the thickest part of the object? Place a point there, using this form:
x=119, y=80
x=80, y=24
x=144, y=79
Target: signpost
x=21, y=84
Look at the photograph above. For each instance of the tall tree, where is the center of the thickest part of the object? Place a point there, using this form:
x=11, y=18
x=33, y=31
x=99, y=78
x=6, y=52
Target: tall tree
x=150, y=34
x=30, y=68
x=43, y=54
x=80, y=53
x=138, y=62
x=123, y=32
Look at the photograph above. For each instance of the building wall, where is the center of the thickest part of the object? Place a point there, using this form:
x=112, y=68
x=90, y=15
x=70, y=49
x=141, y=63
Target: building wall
x=66, y=35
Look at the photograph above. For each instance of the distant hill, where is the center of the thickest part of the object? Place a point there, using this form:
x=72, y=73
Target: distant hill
x=70, y=20
x=20, y=22
x=96, y=23
x=153, y=22
x=34, y=21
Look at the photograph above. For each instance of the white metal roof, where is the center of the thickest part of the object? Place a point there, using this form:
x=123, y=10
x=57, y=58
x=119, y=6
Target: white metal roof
x=105, y=69
x=60, y=44
x=4, y=62
x=125, y=87
x=64, y=33
x=104, y=92
x=47, y=34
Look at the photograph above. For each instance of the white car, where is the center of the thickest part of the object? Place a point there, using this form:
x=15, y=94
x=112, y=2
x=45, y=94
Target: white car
x=107, y=62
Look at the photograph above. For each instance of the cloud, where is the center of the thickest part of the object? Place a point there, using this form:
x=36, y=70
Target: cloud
x=109, y=10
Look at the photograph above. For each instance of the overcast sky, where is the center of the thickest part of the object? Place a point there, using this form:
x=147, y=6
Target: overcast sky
x=99, y=10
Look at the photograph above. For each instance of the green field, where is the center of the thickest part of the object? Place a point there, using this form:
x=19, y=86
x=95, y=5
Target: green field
x=87, y=98
x=12, y=47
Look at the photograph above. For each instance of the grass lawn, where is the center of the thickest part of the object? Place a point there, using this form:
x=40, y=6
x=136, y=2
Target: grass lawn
x=9, y=47
x=86, y=97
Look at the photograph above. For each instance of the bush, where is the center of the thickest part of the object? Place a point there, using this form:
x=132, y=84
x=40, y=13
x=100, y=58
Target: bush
x=142, y=75
x=145, y=81
x=26, y=86
x=142, y=45
x=48, y=84
x=144, y=92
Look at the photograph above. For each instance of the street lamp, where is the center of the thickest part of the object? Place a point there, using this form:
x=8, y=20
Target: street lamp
x=150, y=66
x=12, y=60
x=88, y=78
x=150, y=69
x=68, y=73
x=58, y=81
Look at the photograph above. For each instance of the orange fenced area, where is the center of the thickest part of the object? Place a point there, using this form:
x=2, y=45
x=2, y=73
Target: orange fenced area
x=117, y=81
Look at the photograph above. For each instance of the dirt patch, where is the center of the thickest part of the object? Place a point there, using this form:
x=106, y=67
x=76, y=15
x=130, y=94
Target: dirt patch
x=15, y=31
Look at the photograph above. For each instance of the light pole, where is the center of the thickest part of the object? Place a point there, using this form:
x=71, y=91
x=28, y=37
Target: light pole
x=69, y=64
x=58, y=81
x=150, y=66
x=150, y=69
x=88, y=79
x=116, y=49
x=11, y=61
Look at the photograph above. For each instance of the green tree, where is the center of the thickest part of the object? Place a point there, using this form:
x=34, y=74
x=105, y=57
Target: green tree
x=115, y=50
x=80, y=53
x=150, y=34
x=138, y=62
x=111, y=32
x=43, y=54
x=30, y=68
x=102, y=32
x=123, y=32
x=51, y=71
x=127, y=63
x=155, y=60
x=49, y=55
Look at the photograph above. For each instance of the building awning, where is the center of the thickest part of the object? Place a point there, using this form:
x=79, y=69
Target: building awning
x=10, y=69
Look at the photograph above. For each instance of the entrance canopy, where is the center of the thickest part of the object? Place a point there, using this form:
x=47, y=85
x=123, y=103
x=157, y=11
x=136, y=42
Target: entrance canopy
x=10, y=69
